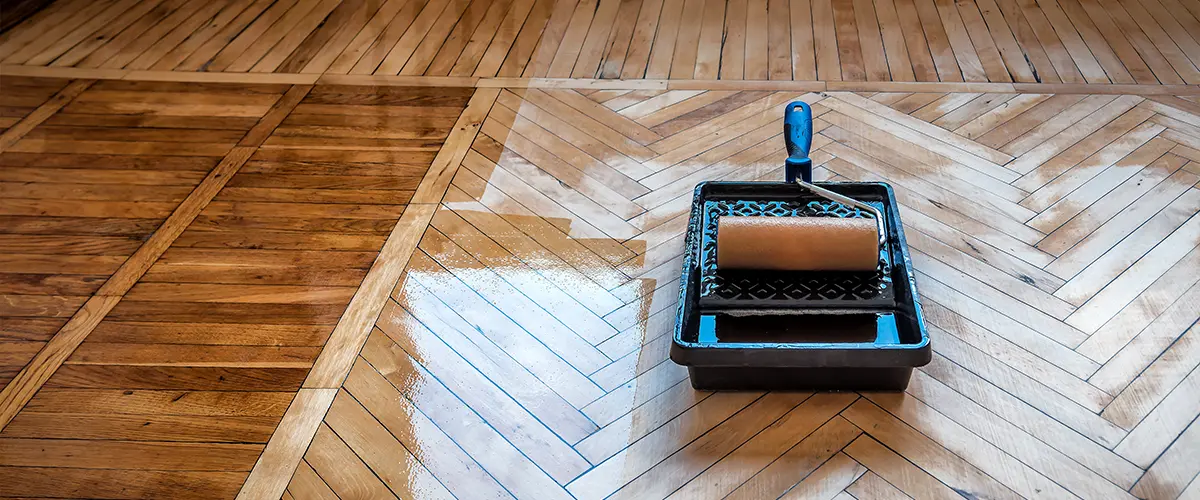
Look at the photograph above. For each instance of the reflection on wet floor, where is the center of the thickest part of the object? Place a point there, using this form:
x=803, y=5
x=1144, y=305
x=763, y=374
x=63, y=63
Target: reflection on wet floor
x=533, y=323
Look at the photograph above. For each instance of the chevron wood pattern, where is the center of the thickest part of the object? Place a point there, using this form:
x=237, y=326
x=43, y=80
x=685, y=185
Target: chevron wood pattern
x=1052, y=41
x=523, y=353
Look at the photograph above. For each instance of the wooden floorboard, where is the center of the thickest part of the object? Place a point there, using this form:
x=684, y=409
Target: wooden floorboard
x=363, y=249
x=1072, y=41
x=82, y=191
x=278, y=245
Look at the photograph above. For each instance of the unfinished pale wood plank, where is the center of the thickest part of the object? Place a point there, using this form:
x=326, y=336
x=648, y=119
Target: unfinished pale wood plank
x=708, y=49
x=1155, y=433
x=871, y=40
x=750, y=460
x=894, y=43
x=336, y=465
x=587, y=64
x=849, y=47
x=494, y=31
x=1074, y=44
x=1105, y=304
x=828, y=480
x=572, y=41
x=1172, y=472
x=1141, y=314
x=1046, y=37
x=925, y=453
x=1117, y=73
x=870, y=485
x=803, y=50
x=683, y=59
x=779, y=43
x=234, y=48
x=411, y=51
x=825, y=39
x=206, y=41
x=663, y=49
x=638, y=57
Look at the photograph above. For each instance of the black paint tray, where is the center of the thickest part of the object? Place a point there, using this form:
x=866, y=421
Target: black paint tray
x=758, y=330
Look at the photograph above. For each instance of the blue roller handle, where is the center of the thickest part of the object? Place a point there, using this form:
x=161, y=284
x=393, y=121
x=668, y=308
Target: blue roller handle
x=797, y=135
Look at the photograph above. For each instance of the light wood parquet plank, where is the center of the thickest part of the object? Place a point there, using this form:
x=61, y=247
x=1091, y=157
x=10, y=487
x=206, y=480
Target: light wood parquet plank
x=1027, y=389
x=381, y=451
x=761, y=450
x=1147, y=307
x=925, y=453
x=1170, y=474
x=910, y=481
x=1000, y=433
x=1136, y=277
x=410, y=425
x=1161, y=427
x=829, y=480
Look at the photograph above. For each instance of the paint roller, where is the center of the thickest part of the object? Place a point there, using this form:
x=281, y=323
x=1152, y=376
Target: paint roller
x=802, y=243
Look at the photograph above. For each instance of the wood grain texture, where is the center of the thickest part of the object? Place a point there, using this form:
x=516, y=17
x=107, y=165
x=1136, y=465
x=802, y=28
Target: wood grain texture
x=18, y=130
x=1073, y=41
x=216, y=287
x=331, y=368
x=507, y=335
x=21, y=388
x=177, y=194
x=433, y=185
x=274, y=468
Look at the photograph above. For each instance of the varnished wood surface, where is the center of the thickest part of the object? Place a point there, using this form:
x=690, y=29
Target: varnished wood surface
x=1067, y=41
x=183, y=370
x=88, y=184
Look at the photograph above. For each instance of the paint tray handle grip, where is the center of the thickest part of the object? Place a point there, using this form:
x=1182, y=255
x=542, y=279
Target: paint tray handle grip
x=797, y=135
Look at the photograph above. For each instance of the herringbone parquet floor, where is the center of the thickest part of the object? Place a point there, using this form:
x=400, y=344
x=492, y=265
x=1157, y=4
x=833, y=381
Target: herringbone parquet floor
x=523, y=352
x=431, y=248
